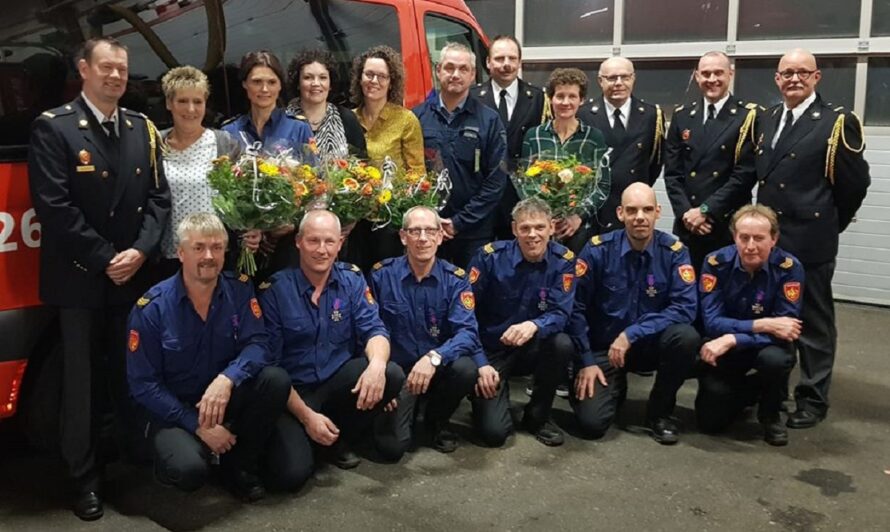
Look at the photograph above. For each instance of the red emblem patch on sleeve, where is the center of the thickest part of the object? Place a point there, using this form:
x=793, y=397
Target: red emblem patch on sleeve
x=468, y=300
x=708, y=282
x=369, y=296
x=255, y=308
x=687, y=273
x=580, y=268
x=791, y=291
x=567, y=279
x=474, y=275
x=133, y=341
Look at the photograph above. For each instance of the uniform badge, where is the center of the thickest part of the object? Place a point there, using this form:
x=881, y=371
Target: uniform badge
x=580, y=268
x=687, y=273
x=377, y=265
x=336, y=315
x=83, y=124
x=568, y=255
x=488, y=248
x=791, y=291
x=651, y=291
x=368, y=296
x=596, y=240
x=255, y=308
x=542, y=296
x=84, y=157
x=757, y=307
x=474, y=275
x=142, y=301
x=686, y=134
x=712, y=260
x=677, y=246
x=708, y=283
x=243, y=278
x=787, y=263
x=434, y=326
x=468, y=300
x=567, y=279
x=133, y=340
x=460, y=272
x=264, y=285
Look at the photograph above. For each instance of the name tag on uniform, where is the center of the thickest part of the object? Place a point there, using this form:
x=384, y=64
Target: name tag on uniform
x=477, y=158
x=86, y=168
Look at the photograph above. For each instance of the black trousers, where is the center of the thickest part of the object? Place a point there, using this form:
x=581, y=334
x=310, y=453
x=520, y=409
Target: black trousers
x=725, y=390
x=94, y=374
x=459, y=251
x=449, y=385
x=700, y=246
x=672, y=354
x=181, y=459
x=818, y=339
x=547, y=360
x=365, y=247
x=291, y=449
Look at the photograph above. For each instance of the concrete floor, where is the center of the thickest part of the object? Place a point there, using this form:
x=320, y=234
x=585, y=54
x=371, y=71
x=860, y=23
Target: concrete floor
x=833, y=477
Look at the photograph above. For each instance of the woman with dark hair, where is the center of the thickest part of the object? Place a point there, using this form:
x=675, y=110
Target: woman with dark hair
x=263, y=78
x=378, y=86
x=335, y=128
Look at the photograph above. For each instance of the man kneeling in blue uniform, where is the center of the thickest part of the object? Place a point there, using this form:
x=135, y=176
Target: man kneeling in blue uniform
x=634, y=308
x=751, y=303
x=319, y=316
x=525, y=288
x=198, y=366
x=427, y=306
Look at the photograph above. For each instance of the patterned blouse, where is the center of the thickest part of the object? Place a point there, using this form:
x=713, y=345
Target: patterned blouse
x=330, y=137
x=186, y=173
x=395, y=133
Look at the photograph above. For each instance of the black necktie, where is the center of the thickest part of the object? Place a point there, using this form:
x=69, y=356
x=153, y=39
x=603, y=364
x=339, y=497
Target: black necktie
x=109, y=129
x=789, y=121
x=502, y=107
x=618, y=125
x=711, y=111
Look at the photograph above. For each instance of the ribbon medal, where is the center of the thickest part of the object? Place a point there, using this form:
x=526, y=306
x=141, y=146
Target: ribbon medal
x=434, y=328
x=542, y=305
x=757, y=307
x=651, y=291
x=336, y=315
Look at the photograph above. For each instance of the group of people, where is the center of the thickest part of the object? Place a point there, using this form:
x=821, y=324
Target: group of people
x=264, y=380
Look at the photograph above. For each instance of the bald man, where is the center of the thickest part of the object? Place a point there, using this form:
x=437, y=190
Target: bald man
x=635, y=137
x=709, y=159
x=815, y=187
x=634, y=305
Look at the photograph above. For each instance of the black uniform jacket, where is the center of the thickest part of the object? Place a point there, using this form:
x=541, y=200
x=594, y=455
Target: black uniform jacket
x=815, y=178
x=94, y=201
x=636, y=158
x=712, y=165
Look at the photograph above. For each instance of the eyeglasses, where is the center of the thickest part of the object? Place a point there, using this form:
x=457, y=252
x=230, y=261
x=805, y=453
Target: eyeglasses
x=416, y=232
x=611, y=80
x=370, y=76
x=802, y=75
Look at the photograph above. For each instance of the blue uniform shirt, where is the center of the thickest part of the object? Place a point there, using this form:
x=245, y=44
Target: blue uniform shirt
x=639, y=292
x=731, y=299
x=173, y=355
x=282, y=130
x=511, y=290
x=312, y=342
x=433, y=314
x=472, y=143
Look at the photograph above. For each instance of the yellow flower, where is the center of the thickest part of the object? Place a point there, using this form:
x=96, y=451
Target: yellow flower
x=384, y=197
x=268, y=169
x=533, y=171
x=412, y=177
x=373, y=173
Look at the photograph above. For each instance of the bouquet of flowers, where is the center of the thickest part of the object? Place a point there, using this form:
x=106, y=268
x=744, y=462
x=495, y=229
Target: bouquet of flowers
x=411, y=188
x=567, y=185
x=261, y=191
x=356, y=190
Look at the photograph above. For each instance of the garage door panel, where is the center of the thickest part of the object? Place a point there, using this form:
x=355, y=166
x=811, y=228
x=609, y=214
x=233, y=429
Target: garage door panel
x=874, y=241
x=878, y=256
x=844, y=275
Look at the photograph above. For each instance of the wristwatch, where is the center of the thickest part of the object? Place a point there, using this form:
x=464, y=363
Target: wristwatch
x=703, y=208
x=435, y=358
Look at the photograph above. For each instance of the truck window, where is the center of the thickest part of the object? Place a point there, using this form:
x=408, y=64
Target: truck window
x=441, y=30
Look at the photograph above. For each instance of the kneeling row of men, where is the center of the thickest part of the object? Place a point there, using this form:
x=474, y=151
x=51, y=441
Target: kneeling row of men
x=261, y=383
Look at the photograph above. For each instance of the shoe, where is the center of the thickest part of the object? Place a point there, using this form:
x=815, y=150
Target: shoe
x=342, y=456
x=88, y=506
x=562, y=390
x=665, y=431
x=548, y=433
x=774, y=433
x=444, y=441
x=803, y=419
x=245, y=486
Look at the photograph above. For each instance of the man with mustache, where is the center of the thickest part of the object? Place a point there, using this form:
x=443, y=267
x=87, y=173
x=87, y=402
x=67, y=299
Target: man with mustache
x=99, y=189
x=815, y=187
x=634, y=308
x=524, y=290
x=520, y=106
x=469, y=140
x=198, y=367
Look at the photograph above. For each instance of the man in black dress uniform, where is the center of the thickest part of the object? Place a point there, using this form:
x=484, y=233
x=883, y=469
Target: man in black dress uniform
x=709, y=159
x=98, y=186
x=815, y=187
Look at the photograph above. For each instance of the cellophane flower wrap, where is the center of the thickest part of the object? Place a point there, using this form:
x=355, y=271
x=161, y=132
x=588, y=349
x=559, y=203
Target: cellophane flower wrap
x=411, y=188
x=569, y=186
x=355, y=190
x=262, y=190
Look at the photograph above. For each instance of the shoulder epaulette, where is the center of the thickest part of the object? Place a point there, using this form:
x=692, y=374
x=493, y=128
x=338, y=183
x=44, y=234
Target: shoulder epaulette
x=48, y=114
x=750, y=106
x=838, y=108
x=596, y=240
x=385, y=262
x=66, y=109
x=460, y=272
x=264, y=285
x=489, y=248
x=678, y=109
x=712, y=260
x=787, y=263
x=677, y=246
x=348, y=266
x=301, y=118
x=228, y=121
x=147, y=298
x=243, y=277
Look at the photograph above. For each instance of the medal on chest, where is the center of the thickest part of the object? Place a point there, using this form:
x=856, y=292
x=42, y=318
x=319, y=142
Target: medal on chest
x=542, y=304
x=434, y=327
x=650, y=281
x=757, y=307
x=336, y=315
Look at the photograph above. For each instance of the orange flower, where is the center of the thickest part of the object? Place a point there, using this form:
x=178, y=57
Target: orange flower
x=367, y=190
x=545, y=189
x=572, y=204
x=320, y=188
x=350, y=184
x=425, y=186
x=300, y=189
x=342, y=163
x=583, y=169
